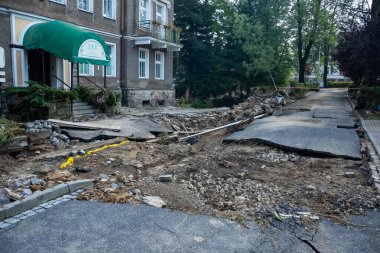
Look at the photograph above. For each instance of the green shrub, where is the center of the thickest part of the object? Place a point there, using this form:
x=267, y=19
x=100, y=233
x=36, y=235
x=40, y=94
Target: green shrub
x=368, y=97
x=226, y=101
x=338, y=84
x=298, y=90
x=8, y=129
x=201, y=104
x=86, y=94
x=184, y=103
x=40, y=95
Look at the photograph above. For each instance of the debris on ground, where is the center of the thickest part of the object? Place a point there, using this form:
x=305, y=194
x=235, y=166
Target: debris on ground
x=236, y=181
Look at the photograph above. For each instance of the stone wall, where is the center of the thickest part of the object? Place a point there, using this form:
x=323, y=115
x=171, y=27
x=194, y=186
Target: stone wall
x=60, y=110
x=139, y=98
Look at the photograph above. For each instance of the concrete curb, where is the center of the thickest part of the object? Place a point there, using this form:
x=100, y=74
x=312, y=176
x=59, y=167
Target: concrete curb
x=37, y=198
x=374, y=164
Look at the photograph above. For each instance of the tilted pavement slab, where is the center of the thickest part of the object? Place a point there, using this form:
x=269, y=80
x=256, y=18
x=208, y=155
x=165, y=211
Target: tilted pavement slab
x=304, y=137
x=326, y=130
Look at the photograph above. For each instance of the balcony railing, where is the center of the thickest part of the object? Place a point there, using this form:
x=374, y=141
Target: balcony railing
x=160, y=31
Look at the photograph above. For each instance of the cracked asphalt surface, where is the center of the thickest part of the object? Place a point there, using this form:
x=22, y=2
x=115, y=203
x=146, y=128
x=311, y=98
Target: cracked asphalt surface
x=77, y=226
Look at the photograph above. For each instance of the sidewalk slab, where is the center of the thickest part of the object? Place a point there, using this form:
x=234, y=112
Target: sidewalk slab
x=372, y=128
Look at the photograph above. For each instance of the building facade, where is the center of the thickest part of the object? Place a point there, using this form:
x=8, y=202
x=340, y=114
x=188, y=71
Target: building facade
x=138, y=33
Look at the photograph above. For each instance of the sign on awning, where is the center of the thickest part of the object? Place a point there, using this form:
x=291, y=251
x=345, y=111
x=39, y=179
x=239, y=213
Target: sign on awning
x=67, y=41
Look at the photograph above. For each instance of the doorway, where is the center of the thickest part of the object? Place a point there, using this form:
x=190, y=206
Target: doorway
x=39, y=66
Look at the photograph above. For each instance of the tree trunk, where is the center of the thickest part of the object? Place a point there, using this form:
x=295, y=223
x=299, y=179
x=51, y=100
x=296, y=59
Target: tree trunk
x=274, y=83
x=326, y=60
x=301, y=70
x=303, y=57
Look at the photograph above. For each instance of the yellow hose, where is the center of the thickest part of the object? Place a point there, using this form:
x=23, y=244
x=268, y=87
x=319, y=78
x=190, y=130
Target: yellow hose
x=70, y=160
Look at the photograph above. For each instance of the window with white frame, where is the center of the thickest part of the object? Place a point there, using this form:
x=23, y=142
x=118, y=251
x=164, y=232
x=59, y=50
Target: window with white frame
x=109, y=8
x=85, y=5
x=86, y=69
x=111, y=69
x=143, y=63
x=144, y=10
x=59, y=1
x=159, y=65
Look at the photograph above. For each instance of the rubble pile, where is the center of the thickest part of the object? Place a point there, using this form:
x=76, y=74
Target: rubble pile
x=113, y=188
x=276, y=155
x=41, y=132
x=193, y=122
x=232, y=193
x=25, y=184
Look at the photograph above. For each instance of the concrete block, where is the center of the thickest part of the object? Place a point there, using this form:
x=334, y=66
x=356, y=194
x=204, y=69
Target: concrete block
x=80, y=184
x=35, y=199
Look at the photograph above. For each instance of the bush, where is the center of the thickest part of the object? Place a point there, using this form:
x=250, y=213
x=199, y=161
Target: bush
x=86, y=94
x=338, y=84
x=226, y=101
x=38, y=95
x=298, y=90
x=368, y=97
x=201, y=104
x=8, y=129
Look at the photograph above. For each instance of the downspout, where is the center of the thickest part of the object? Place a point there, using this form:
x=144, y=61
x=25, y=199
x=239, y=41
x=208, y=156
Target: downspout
x=122, y=79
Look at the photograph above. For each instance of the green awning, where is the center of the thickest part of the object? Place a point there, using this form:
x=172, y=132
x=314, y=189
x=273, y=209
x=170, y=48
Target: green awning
x=67, y=41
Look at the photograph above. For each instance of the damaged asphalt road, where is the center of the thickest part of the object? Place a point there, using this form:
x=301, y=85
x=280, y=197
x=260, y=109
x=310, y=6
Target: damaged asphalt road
x=77, y=226
x=325, y=130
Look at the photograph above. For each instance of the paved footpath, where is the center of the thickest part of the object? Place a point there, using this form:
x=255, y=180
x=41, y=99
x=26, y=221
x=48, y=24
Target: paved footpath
x=372, y=127
x=82, y=226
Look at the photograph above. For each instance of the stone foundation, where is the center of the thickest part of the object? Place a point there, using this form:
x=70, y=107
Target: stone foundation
x=139, y=98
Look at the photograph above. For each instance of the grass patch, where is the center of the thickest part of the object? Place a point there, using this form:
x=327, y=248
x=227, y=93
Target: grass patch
x=8, y=130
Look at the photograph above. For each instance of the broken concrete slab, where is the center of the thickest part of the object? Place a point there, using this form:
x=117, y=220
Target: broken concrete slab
x=84, y=125
x=304, y=137
x=18, y=143
x=132, y=128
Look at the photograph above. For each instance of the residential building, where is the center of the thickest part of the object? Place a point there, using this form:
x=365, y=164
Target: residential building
x=137, y=36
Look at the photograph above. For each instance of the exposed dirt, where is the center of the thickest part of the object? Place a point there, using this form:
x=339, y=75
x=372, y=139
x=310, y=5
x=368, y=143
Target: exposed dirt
x=238, y=180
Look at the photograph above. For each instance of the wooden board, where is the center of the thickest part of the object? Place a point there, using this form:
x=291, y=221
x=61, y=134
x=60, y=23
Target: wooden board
x=81, y=125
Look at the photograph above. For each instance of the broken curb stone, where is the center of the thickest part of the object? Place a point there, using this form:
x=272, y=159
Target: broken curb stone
x=154, y=201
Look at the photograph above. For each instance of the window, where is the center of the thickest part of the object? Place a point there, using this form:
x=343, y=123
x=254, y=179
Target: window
x=143, y=63
x=159, y=64
x=109, y=8
x=144, y=11
x=86, y=69
x=85, y=5
x=161, y=19
x=111, y=70
x=59, y=1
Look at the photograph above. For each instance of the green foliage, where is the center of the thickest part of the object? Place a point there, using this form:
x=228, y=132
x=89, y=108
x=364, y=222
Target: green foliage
x=184, y=103
x=38, y=95
x=298, y=90
x=368, y=97
x=112, y=98
x=86, y=94
x=338, y=84
x=8, y=129
x=198, y=103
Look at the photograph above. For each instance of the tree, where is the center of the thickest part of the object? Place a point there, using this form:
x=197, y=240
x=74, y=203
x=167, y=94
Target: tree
x=195, y=69
x=308, y=18
x=263, y=33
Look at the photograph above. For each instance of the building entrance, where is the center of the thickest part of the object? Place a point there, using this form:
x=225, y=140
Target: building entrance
x=39, y=66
